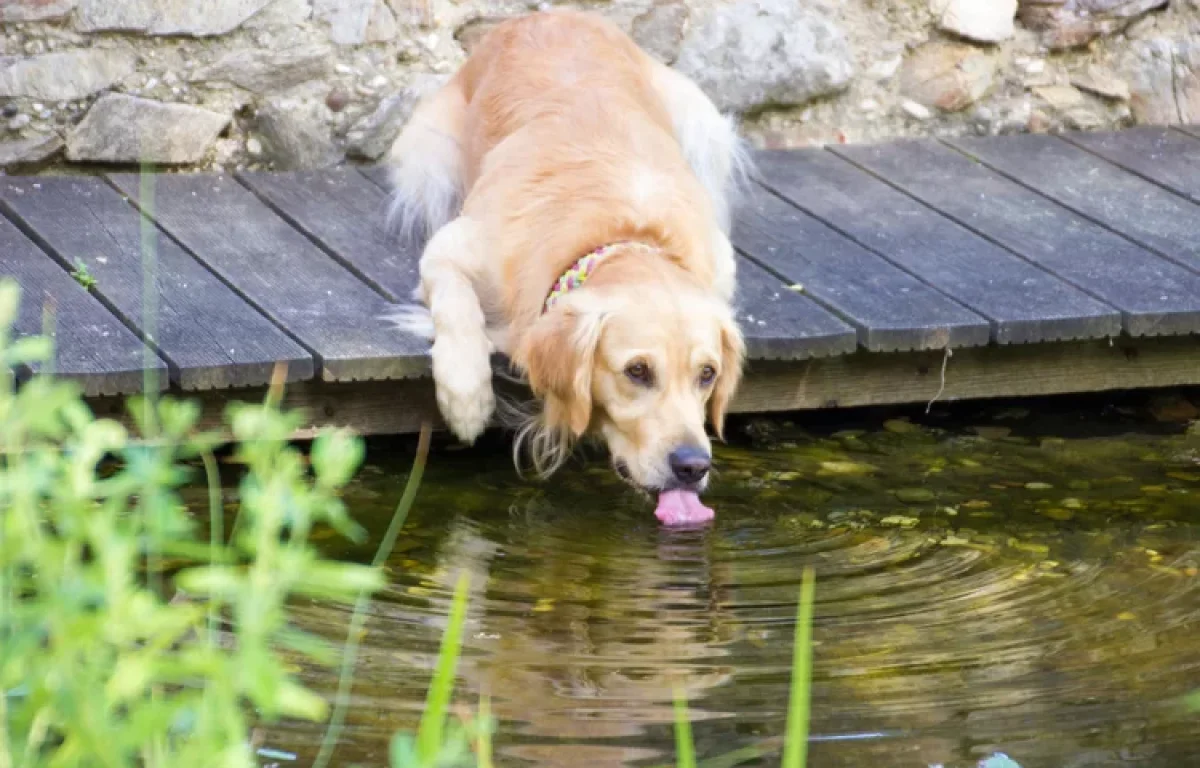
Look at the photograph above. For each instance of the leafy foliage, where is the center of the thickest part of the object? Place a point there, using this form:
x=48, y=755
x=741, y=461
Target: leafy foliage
x=107, y=658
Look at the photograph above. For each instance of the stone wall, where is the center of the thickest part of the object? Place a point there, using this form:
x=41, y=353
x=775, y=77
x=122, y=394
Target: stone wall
x=311, y=83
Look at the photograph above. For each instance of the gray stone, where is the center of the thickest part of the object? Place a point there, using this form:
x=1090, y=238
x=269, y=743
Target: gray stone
x=353, y=22
x=264, y=70
x=1164, y=79
x=1072, y=23
x=987, y=21
x=949, y=76
x=757, y=53
x=371, y=137
x=659, y=31
x=296, y=135
x=1101, y=82
x=29, y=151
x=381, y=27
x=127, y=129
x=167, y=17
x=281, y=13
x=16, y=11
x=66, y=75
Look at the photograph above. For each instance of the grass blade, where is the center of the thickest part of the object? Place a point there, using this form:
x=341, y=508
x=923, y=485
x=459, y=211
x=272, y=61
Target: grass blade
x=483, y=745
x=437, y=702
x=795, y=748
x=685, y=747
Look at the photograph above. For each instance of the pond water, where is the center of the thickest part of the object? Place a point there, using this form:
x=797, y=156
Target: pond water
x=1004, y=578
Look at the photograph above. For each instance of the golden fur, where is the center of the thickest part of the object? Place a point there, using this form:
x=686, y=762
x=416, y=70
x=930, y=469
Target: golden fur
x=559, y=135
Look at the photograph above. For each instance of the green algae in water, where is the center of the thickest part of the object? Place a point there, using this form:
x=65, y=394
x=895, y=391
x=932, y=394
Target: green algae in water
x=979, y=616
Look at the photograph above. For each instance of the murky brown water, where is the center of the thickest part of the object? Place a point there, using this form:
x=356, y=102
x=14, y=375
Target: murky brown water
x=1002, y=580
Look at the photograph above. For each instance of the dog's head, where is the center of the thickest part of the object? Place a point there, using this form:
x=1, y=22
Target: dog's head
x=641, y=365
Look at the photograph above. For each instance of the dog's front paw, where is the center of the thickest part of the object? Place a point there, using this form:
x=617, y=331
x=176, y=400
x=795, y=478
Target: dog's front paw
x=462, y=375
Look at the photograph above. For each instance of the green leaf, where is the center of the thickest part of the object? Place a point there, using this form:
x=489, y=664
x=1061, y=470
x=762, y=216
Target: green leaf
x=29, y=350
x=297, y=701
x=316, y=648
x=437, y=702
x=338, y=581
x=218, y=580
x=685, y=748
x=795, y=750
x=402, y=752
x=336, y=456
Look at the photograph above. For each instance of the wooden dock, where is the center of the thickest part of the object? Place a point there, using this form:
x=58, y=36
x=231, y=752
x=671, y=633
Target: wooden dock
x=1006, y=266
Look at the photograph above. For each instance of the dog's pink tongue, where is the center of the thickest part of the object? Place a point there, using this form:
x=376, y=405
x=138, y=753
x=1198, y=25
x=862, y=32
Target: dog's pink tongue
x=681, y=508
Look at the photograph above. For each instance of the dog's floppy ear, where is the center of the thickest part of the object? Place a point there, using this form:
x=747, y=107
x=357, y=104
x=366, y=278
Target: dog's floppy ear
x=733, y=353
x=557, y=354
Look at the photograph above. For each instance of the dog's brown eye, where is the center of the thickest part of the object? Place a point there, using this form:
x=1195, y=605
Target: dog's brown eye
x=639, y=372
x=707, y=374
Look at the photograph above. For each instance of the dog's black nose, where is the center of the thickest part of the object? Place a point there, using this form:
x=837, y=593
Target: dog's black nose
x=689, y=465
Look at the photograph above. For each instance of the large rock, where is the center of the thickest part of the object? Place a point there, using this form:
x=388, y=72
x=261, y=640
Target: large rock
x=16, y=11
x=264, y=70
x=987, y=21
x=353, y=22
x=758, y=53
x=1164, y=80
x=1072, y=23
x=167, y=17
x=372, y=136
x=127, y=129
x=64, y=75
x=949, y=76
x=29, y=151
x=659, y=31
x=296, y=134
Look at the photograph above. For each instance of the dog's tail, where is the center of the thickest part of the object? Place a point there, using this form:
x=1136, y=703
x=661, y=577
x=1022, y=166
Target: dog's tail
x=718, y=155
x=426, y=166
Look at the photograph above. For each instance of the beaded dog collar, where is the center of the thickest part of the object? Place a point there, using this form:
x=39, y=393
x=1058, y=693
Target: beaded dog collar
x=578, y=273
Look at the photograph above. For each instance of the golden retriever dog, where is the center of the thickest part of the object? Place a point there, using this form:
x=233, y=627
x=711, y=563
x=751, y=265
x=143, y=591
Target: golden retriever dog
x=575, y=195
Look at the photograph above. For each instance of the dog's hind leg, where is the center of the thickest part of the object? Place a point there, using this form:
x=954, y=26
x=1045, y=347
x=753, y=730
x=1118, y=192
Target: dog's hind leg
x=717, y=154
x=426, y=166
x=462, y=371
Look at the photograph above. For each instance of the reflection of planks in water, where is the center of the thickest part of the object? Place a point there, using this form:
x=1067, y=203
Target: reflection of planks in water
x=1047, y=264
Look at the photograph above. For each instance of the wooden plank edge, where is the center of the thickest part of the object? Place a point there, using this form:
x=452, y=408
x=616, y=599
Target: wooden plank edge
x=860, y=379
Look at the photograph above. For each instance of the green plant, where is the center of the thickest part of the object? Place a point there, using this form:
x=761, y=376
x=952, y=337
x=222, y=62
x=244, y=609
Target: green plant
x=108, y=659
x=439, y=741
x=82, y=275
x=795, y=741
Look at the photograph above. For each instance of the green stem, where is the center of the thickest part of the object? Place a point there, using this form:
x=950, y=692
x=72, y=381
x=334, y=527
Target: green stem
x=795, y=748
x=350, y=649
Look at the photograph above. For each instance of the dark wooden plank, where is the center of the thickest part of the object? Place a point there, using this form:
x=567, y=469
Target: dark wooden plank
x=779, y=324
x=209, y=336
x=1155, y=296
x=377, y=174
x=1024, y=303
x=1161, y=155
x=333, y=313
x=890, y=309
x=346, y=214
x=92, y=347
x=1134, y=207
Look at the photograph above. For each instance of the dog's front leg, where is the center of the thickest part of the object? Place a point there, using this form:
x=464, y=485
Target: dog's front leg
x=462, y=371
